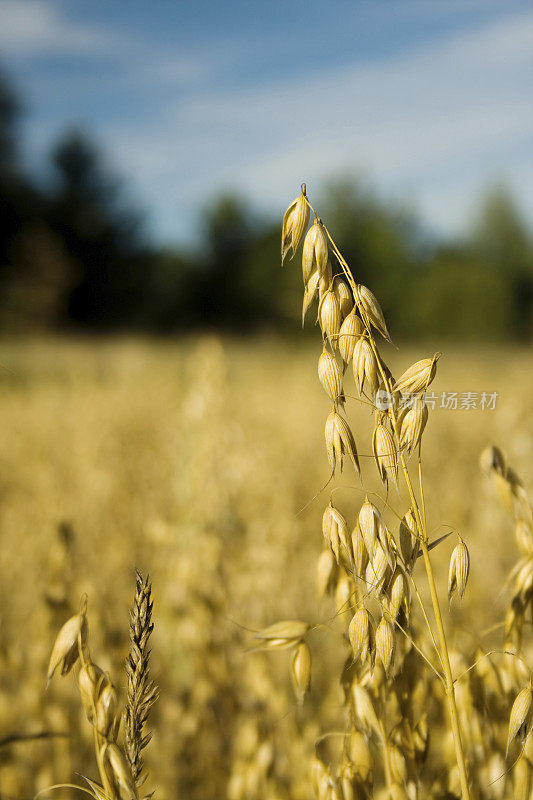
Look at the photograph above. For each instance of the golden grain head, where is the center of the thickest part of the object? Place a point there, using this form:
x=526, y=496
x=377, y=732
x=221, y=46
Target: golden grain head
x=351, y=330
x=459, y=569
x=385, y=644
x=368, y=525
x=365, y=367
x=301, y=670
x=340, y=442
x=418, y=377
x=330, y=375
x=385, y=454
x=520, y=718
x=315, y=251
x=370, y=306
x=335, y=530
x=283, y=634
x=329, y=317
x=295, y=222
x=344, y=295
x=65, y=652
x=361, y=634
x=413, y=423
x=398, y=592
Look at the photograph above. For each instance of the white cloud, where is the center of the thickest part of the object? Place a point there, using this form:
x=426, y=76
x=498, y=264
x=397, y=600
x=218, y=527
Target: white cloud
x=439, y=121
x=30, y=28
x=436, y=122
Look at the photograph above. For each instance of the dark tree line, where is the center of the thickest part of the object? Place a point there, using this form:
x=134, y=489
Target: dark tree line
x=75, y=253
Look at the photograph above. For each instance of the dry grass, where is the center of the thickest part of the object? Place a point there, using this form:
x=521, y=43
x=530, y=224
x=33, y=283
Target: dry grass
x=191, y=460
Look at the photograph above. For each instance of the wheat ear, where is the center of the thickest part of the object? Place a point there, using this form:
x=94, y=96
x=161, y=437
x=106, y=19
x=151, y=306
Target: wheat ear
x=142, y=691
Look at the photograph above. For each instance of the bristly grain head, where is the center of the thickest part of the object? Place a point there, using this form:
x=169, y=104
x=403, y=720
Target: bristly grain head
x=142, y=691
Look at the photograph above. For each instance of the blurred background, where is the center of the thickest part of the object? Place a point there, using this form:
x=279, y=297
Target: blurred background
x=159, y=404
x=146, y=155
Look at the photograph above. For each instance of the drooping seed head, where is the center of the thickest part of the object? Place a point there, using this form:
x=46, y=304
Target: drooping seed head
x=329, y=316
x=351, y=330
x=520, y=719
x=335, y=530
x=72, y=635
x=295, y=221
x=368, y=525
x=413, y=423
x=385, y=454
x=315, y=250
x=379, y=567
x=418, y=377
x=361, y=635
x=301, y=671
x=281, y=635
x=385, y=644
x=344, y=295
x=365, y=368
x=340, y=442
x=459, y=569
x=373, y=311
x=330, y=376
x=398, y=591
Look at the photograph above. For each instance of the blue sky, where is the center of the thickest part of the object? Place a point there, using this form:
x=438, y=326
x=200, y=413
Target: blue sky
x=430, y=99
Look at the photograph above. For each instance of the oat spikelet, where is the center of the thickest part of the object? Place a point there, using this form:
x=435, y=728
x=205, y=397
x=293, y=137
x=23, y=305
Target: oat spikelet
x=315, y=251
x=65, y=651
x=339, y=442
x=351, y=330
x=330, y=376
x=419, y=375
x=142, y=692
x=344, y=296
x=370, y=305
x=301, y=671
x=459, y=569
x=295, y=222
x=520, y=719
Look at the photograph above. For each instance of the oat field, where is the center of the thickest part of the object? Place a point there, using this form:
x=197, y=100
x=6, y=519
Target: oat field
x=197, y=461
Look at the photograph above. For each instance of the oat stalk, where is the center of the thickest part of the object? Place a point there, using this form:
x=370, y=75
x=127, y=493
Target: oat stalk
x=142, y=691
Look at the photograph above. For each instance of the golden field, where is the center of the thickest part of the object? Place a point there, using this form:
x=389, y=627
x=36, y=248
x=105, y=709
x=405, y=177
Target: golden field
x=192, y=460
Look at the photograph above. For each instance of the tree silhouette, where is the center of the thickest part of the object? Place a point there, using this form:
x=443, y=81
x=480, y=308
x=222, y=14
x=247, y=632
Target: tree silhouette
x=102, y=234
